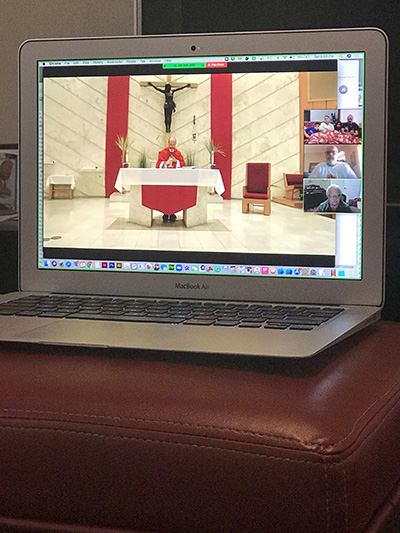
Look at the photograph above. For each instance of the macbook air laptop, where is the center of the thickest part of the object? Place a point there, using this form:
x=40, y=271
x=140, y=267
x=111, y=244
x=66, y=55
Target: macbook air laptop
x=201, y=193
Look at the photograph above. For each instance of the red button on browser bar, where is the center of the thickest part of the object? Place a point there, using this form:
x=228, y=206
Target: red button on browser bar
x=217, y=64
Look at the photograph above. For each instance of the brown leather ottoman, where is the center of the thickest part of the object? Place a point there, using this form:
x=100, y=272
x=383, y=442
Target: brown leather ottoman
x=94, y=440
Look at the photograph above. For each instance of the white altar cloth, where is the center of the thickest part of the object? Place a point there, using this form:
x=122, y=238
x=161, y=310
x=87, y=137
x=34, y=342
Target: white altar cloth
x=201, y=177
x=61, y=179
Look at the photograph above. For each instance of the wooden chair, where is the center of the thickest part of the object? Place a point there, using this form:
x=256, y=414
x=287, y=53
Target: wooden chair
x=257, y=190
x=293, y=185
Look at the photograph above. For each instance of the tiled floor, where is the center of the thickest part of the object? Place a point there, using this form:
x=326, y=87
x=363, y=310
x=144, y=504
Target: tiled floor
x=100, y=222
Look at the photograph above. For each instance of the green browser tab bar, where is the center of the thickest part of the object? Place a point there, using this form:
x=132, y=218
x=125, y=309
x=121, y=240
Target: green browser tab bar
x=184, y=65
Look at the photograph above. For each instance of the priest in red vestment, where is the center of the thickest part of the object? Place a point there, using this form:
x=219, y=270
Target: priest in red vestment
x=170, y=157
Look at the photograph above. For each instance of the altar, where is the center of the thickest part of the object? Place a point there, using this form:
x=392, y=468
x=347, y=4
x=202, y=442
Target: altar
x=169, y=191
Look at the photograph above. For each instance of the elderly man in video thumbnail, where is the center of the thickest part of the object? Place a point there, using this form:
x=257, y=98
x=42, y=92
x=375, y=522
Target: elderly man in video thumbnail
x=334, y=202
x=351, y=127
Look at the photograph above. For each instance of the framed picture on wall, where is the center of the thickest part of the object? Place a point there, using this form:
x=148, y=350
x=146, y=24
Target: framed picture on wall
x=8, y=180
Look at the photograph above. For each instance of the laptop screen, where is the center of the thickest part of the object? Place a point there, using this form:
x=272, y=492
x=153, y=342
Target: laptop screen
x=219, y=165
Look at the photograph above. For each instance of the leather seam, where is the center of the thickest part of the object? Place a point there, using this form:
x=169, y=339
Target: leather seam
x=151, y=420
x=205, y=426
x=387, y=400
x=226, y=439
x=160, y=441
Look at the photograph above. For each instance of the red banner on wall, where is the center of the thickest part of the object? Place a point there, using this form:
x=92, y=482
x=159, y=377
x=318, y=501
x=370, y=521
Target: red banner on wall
x=221, y=126
x=117, y=124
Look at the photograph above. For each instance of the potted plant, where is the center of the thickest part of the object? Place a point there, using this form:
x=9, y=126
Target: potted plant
x=142, y=159
x=123, y=145
x=190, y=158
x=213, y=148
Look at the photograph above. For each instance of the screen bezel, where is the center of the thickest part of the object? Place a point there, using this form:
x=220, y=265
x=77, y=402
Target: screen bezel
x=367, y=291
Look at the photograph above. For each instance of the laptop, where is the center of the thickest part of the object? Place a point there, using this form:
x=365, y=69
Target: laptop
x=171, y=200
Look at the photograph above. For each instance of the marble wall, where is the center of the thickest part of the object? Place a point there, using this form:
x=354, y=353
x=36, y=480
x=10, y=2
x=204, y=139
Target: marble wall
x=75, y=114
x=146, y=117
x=265, y=126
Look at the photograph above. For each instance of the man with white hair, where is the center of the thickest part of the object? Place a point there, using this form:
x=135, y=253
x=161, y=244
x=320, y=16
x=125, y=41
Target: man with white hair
x=170, y=157
x=351, y=127
x=334, y=202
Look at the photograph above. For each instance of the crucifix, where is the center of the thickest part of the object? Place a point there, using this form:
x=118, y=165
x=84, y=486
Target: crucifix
x=168, y=89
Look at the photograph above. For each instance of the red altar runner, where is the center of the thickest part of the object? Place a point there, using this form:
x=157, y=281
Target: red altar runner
x=169, y=199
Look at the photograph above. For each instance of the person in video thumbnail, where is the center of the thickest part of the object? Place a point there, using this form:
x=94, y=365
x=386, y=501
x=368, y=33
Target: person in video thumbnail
x=170, y=157
x=338, y=126
x=311, y=129
x=351, y=127
x=169, y=104
x=326, y=125
x=332, y=168
x=334, y=202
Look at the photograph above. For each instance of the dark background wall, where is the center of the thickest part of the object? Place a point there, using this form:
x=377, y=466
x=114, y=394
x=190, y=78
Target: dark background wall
x=28, y=19
x=205, y=16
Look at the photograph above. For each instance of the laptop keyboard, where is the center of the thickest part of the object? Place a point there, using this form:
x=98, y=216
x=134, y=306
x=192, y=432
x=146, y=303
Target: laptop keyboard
x=191, y=313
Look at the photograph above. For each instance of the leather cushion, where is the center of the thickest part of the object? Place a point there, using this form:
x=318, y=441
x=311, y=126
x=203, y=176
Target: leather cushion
x=190, y=442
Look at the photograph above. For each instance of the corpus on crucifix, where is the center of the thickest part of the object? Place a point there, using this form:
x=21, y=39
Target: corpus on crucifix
x=169, y=105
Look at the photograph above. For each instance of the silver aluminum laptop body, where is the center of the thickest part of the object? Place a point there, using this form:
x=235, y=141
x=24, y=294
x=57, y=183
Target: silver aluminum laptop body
x=357, y=287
